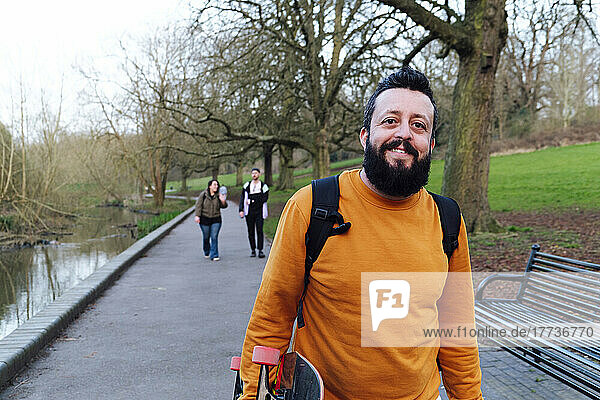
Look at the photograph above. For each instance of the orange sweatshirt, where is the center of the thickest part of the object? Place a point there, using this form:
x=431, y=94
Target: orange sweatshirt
x=386, y=236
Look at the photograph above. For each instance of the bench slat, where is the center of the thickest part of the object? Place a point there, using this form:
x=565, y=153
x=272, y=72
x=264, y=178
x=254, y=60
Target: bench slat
x=527, y=314
x=538, y=276
x=584, y=373
x=538, y=262
x=536, y=302
x=567, y=302
x=521, y=316
x=577, y=361
x=569, y=260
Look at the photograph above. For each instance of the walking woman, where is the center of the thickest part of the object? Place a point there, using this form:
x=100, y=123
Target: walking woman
x=208, y=215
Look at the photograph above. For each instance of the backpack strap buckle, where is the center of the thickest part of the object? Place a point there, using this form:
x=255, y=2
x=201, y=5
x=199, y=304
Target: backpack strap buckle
x=320, y=213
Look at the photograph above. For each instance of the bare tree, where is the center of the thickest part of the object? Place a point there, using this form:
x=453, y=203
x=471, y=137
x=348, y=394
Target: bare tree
x=136, y=118
x=522, y=89
x=571, y=79
x=30, y=167
x=323, y=42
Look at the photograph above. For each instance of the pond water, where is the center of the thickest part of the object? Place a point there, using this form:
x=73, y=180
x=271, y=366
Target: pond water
x=31, y=278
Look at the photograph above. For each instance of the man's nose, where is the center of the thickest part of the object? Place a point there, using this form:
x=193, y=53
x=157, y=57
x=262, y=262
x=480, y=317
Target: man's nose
x=403, y=131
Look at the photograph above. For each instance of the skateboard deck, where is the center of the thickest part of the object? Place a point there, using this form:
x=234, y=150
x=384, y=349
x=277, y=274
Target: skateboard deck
x=297, y=378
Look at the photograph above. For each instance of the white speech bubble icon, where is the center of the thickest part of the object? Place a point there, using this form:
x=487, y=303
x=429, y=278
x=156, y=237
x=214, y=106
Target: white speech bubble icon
x=389, y=300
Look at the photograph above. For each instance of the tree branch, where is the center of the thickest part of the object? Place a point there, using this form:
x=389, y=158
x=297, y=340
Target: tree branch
x=420, y=46
x=453, y=34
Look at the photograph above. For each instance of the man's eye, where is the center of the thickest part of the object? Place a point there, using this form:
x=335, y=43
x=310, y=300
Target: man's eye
x=389, y=121
x=419, y=125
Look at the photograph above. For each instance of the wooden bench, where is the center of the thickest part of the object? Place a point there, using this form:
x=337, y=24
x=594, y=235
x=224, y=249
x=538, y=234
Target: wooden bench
x=555, y=293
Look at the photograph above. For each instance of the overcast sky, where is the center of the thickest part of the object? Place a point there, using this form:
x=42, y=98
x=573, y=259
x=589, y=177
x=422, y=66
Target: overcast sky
x=41, y=41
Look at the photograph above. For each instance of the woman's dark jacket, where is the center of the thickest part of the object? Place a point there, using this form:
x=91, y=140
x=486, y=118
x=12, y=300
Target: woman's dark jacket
x=208, y=208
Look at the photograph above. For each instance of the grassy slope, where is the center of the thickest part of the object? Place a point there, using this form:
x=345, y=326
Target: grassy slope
x=554, y=178
x=171, y=209
x=547, y=179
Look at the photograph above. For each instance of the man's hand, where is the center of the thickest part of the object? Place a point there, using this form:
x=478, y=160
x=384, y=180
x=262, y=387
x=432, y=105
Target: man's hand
x=241, y=214
x=197, y=219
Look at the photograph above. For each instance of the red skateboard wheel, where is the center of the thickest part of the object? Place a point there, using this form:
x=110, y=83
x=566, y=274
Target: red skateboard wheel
x=265, y=355
x=235, y=363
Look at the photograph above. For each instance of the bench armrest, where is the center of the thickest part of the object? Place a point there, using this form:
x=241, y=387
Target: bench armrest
x=496, y=277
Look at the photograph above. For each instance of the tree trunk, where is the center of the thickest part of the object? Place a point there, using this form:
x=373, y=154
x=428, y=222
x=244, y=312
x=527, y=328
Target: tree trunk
x=184, y=186
x=159, y=198
x=321, y=156
x=286, y=169
x=268, y=155
x=215, y=171
x=160, y=181
x=163, y=185
x=141, y=191
x=158, y=195
x=239, y=174
x=468, y=157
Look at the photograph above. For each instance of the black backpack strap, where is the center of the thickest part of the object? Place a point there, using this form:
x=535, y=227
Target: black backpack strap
x=450, y=220
x=324, y=214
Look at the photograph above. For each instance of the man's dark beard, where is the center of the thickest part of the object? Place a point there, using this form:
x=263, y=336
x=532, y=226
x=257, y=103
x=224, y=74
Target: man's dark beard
x=396, y=180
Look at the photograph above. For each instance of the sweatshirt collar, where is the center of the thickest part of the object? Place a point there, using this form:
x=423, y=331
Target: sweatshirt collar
x=366, y=193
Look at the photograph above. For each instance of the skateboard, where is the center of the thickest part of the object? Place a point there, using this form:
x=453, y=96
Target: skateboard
x=297, y=378
x=238, y=387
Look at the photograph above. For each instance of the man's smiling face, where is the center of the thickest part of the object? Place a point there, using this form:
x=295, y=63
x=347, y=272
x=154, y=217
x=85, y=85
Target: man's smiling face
x=398, y=146
x=401, y=126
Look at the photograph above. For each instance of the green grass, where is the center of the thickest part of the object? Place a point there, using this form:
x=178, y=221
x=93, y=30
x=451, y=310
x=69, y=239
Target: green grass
x=145, y=227
x=8, y=223
x=171, y=208
x=168, y=205
x=556, y=178
x=270, y=225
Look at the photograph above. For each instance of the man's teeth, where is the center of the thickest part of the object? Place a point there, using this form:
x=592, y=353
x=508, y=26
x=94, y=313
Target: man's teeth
x=399, y=151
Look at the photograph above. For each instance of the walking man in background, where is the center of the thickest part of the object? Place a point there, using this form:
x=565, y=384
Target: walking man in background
x=253, y=206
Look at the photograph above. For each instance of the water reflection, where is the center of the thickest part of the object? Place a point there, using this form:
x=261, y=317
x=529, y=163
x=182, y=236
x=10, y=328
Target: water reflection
x=32, y=278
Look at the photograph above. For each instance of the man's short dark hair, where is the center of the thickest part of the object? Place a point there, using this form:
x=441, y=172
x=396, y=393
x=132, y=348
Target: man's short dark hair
x=255, y=169
x=405, y=78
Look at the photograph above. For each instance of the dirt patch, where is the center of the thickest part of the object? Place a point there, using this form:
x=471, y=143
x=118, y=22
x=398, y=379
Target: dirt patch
x=573, y=234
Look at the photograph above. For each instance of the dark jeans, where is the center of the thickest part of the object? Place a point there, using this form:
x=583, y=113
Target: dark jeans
x=210, y=233
x=255, y=221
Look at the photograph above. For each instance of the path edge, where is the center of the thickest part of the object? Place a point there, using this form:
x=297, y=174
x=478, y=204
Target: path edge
x=22, y=344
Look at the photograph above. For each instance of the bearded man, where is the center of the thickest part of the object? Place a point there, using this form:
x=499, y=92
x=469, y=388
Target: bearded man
x=395, y=228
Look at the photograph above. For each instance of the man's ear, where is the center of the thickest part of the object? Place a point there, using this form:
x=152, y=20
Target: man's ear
x=363, y=136
x=432, y=144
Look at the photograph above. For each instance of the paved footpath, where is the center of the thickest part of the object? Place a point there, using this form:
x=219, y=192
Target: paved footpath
x=169, y=326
